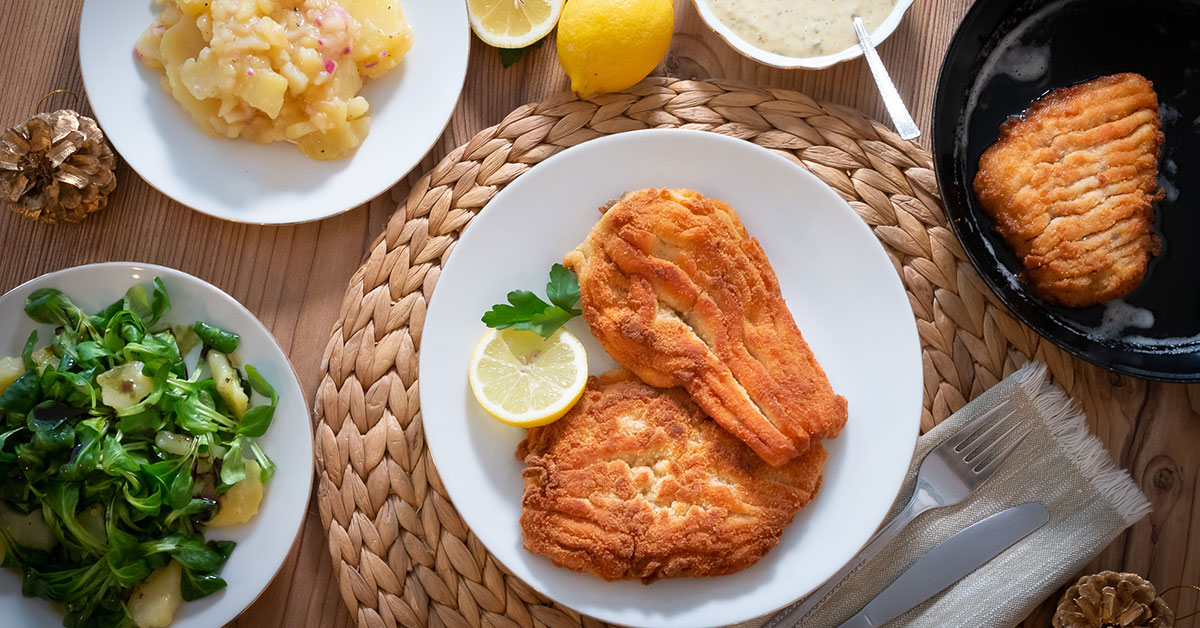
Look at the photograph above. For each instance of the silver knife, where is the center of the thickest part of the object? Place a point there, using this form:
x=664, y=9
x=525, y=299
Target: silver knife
x=950, y=561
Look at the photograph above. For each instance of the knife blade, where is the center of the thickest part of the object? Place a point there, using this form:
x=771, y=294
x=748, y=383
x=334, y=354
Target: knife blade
x=950, y=561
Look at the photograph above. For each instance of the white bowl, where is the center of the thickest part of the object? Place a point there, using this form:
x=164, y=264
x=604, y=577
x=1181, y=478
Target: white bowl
x=240, y=180
x=839, y=285
x=266, y=540
x=810, y=63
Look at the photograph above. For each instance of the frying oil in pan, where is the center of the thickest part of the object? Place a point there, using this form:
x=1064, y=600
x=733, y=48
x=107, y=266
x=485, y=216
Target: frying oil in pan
x=1043, y=46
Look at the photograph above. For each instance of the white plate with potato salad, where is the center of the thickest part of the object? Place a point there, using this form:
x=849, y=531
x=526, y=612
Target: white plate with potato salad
x=155, y=451
x=273, y=111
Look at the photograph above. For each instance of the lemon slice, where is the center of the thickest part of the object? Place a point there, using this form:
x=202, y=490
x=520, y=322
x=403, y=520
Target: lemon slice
x=513, y=23
x=525, y=380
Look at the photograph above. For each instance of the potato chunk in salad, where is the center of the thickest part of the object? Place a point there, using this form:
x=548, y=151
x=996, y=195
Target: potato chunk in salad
x=277, y=70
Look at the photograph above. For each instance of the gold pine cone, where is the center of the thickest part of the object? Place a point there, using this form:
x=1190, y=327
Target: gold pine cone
x=1112, y=600
x=56, y=167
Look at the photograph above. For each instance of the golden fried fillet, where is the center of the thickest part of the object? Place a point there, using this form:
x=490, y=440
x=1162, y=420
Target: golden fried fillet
x=677, y=291
x=1070, y=186
x=636, y=483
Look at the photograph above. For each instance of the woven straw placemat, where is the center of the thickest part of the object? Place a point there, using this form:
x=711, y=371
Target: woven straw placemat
x=401, y=553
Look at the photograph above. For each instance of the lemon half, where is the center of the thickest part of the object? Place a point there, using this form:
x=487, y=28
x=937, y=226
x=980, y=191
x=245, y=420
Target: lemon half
x=513, y=23
x=525, y=380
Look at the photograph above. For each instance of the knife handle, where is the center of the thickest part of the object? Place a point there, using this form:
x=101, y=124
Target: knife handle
x=950, y=561
x=921, y=501
x=858, y=621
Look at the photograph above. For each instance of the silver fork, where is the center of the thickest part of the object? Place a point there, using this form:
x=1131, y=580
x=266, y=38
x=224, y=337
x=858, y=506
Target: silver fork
x=949, y=474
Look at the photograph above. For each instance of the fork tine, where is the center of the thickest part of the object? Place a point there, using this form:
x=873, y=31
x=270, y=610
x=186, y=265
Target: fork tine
x=984, y=446
x=985, y=471
x=974, y=427
x=984, y=436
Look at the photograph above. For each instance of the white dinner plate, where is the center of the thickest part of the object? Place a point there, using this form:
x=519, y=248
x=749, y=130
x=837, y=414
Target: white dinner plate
x=839, y=284
x=243, y=181
x=264, y=542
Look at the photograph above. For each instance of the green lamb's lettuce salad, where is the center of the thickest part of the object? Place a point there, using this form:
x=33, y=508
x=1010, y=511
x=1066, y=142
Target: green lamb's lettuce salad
x=115, y=455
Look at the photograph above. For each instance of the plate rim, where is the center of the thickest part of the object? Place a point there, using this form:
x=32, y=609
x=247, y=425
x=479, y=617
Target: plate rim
x=465, y=29
x=916, y=394
x=158, y=268
x=944, y=138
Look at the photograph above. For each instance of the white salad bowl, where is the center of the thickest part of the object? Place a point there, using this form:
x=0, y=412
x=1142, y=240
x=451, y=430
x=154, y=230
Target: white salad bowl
x=809, y=63
x=265, y=541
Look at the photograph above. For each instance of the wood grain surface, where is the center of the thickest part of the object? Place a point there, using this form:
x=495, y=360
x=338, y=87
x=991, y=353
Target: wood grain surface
x=293, y=277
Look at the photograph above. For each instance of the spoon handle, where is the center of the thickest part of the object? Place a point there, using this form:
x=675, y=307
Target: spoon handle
x=891, y=98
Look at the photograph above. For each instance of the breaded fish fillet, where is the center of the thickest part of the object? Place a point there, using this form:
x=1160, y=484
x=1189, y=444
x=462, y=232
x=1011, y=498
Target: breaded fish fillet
x=635, y=483
x=1070, y=186
x=677, y=292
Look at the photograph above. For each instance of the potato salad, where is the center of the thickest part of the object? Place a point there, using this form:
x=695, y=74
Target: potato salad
x=277, y=70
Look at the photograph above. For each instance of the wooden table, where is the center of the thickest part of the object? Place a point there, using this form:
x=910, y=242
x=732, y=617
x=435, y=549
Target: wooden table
x=293, y=277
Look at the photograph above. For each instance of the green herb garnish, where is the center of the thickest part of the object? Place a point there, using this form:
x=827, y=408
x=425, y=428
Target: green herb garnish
x=217, y=338
x=113, y=456
x=509, y=56
x=525, y=310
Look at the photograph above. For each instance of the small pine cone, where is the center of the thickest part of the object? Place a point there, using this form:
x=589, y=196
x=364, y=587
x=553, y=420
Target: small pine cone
x=56, y=167
x=1112, y=600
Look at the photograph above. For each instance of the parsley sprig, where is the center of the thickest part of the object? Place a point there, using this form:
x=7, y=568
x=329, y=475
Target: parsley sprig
x=525, y=310
x=509, y=56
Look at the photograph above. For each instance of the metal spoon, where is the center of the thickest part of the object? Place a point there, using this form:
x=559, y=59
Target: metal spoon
x=891, y=98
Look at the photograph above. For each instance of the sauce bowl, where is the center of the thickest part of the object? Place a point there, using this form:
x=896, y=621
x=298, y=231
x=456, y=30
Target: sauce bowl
x=810, y=63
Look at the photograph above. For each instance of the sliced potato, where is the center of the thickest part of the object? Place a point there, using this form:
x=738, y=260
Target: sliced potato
x=338, y=143
x=240, y=503
x=207, y=76
x=227, y=382
x=10, y=369
x=172, y=443
x=181, y=42
x=271, y=30
x=384, y=36
x=153, y=602
x=124, y=386
x=27, y=530
x=44, y=357
x=194, y=7
x=264, y=90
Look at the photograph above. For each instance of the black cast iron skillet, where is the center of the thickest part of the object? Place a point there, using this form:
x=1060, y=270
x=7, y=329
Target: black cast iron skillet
x=1006, y=54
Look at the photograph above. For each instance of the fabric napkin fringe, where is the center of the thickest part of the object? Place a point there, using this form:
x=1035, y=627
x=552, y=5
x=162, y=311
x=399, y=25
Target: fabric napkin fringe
x=1067, y=424
x=1060, y=464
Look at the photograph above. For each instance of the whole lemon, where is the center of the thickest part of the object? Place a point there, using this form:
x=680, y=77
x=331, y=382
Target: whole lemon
x=609, y=45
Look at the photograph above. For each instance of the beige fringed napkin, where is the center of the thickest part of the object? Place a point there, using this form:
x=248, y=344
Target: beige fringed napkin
x=1060, y=464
